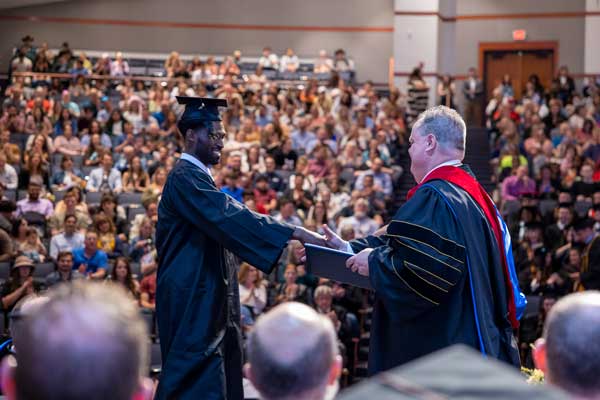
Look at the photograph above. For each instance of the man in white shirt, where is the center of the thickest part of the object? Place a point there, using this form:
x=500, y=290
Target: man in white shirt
x=105, y=177
x=268, y=60
x=68, y=240
x=8, y=175
x=289, y=62
x=323, y=64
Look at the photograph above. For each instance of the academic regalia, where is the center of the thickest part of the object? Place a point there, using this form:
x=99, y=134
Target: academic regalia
x=590, y=258
x=197, y=302
x=453, y=373
x=438, y=245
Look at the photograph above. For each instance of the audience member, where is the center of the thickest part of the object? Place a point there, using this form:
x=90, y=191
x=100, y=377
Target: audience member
x=81, y=326
x=19, y=285
x=105, y=177
x=148, y=291
x=568, y=351
x=253, y=292
x=64, y=270
x=89, y=260
x=293, y=354
x=121, y=275
x=33, y=203
x=289, y=290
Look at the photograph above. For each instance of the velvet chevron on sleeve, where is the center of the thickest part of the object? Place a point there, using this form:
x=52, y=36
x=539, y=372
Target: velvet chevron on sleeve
x=437, y=247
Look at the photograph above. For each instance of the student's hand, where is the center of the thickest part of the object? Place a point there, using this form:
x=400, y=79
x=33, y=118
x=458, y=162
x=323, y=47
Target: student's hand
x=306, y=236
x=333, y=240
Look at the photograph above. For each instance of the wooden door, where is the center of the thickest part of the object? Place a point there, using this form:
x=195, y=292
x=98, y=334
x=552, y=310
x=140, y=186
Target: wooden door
x=519, y=64
x=497, y=65
x=540, y=63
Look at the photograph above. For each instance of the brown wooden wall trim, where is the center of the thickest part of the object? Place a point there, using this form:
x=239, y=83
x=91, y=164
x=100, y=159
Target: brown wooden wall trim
x=192, y=25
x=475, y=17
x=577, y=75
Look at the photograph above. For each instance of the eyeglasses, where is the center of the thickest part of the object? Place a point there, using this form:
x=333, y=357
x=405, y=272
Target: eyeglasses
x=215, y=136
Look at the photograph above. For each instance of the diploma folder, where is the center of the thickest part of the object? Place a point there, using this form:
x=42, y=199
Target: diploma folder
x=331, y=264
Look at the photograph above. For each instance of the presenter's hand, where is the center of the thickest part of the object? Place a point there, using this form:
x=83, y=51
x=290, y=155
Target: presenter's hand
x=360, y=262
x=381, y=231
x=333, y=240
x=306, y=236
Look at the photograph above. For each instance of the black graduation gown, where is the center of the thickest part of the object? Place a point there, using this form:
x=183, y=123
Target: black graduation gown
x=197, y=299
x=420, y=273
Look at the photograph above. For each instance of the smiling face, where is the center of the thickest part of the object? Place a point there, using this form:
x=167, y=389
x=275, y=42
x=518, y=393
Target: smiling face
x=65, y=263
x=206, y=143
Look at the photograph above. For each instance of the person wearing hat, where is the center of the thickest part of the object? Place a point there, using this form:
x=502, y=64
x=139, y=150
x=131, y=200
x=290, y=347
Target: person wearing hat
x=199, y=231
x=20, y=283
x=589, y=278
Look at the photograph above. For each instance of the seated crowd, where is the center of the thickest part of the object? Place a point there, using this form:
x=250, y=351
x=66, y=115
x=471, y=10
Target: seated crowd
x=28, y=58
x=546, y=160
x=83, y=163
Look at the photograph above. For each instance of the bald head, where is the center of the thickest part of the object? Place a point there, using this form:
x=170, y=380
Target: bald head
x=572, y=344
x=291, y=353
x=89, y=335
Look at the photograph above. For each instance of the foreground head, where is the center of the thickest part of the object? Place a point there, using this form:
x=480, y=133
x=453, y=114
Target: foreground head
x=569, y=351
x=438, y=135
x=293, y=354
x=87, y=341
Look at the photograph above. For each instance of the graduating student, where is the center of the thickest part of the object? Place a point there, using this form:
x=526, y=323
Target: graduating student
x=199, y=230
x=442, y=269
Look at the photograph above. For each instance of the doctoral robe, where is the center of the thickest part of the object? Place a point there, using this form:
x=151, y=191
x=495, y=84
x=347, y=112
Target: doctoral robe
x=197, y=301
x=438, y=246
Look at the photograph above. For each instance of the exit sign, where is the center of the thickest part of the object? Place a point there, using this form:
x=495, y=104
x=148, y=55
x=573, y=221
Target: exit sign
x=519, y=34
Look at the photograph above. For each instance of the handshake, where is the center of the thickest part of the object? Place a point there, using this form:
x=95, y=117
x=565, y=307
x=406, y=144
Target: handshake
x=358, y=263
x=330, y=239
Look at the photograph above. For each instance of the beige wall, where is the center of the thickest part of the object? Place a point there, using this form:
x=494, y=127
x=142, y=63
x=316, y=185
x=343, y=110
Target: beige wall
x=370, y=50
x=466, y=7
x=568, y=32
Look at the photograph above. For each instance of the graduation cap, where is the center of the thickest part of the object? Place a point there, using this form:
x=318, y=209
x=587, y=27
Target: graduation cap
x=457, y=372
x=198, y=110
